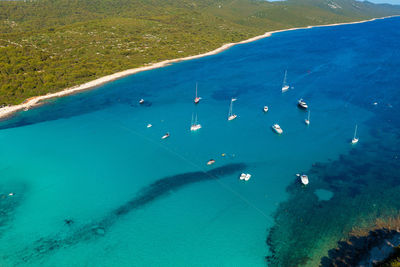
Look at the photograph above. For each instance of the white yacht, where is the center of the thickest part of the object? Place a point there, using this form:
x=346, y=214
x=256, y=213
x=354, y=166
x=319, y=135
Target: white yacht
x=165, y=136
x=303, y=179
x=141, y=101
x=355, y=138
x=302, y=104
x=149, y=125
x=265, y=108
x=231, y=115
x=211, y=162
x=285, y=86
x=277, y=128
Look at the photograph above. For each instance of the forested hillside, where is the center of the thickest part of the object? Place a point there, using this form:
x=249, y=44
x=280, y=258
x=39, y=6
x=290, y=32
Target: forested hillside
x=49, y=45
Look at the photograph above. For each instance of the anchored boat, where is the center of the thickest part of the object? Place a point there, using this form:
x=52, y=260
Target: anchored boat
x=231, y=115
x=285, y=86
x=277, y=128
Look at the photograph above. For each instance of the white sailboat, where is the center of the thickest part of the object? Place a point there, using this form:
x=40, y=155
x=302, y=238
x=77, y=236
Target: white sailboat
x=195, y=125
x=285, y=87
x=231, y=116
x=355, y=138
x=197, y=98
x=307, y=121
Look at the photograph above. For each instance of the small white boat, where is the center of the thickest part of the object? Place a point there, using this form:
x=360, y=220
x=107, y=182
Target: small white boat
x=307, y=121
x=285, y=86
x=195, y=125
x=302, y=104
x=277, y=128
x=141, y=101
x=245, y=176
x=149, y=125
x=11, y=194
x=265, y=108
x=165, y=136
x=197, y=98
x=211, y=162
x=355, y=138
x=303, y=179
x=231, y=115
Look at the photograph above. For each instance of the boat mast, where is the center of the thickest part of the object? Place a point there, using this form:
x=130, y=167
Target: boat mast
x=284, y=79
x=230, y=108
x=355, y=132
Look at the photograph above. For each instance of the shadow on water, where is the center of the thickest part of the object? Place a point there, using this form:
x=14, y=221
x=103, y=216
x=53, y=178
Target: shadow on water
x=99, y=228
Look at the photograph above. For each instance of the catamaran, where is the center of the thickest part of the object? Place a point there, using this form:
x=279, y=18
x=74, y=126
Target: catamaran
x=285, y=87
x=231, y=116
x=197, y=98
x=307, y=121
x=245, y=176
x=195, y=125
x=277, y=128
x=355, y=139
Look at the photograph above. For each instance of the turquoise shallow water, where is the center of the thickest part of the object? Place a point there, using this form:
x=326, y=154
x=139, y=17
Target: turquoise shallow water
x=85, y=156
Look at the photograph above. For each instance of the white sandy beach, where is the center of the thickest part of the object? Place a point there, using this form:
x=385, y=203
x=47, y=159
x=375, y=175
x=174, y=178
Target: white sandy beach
x=35, y=101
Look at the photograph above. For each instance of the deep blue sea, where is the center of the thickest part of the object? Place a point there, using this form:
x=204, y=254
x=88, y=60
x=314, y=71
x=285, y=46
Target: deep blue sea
x=93, y=186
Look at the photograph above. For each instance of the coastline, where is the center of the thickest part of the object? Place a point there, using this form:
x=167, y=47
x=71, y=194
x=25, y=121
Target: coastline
x=8, y=111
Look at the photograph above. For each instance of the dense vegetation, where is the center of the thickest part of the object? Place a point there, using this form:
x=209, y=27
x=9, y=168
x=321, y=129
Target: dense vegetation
x=49, y=45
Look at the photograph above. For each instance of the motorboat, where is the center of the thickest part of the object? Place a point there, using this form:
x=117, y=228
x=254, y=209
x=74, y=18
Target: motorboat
x=302, y=104
x=277, y=128
x=165, y=136
x=303, y=178
x=265, y=109
x=211, y=162
x=141, y=101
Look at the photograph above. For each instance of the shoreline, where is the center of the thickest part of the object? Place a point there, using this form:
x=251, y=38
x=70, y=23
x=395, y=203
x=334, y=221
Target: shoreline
x=35, y=101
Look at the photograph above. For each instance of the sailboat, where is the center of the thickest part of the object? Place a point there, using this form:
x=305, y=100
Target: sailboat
x=195, y=125
x=355, y=139
x=307, y=121
x=197, y=98
x=285, y=87
x=231, y=116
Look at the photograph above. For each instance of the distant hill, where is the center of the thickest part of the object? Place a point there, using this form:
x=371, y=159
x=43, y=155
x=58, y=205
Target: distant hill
x=49, y=45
